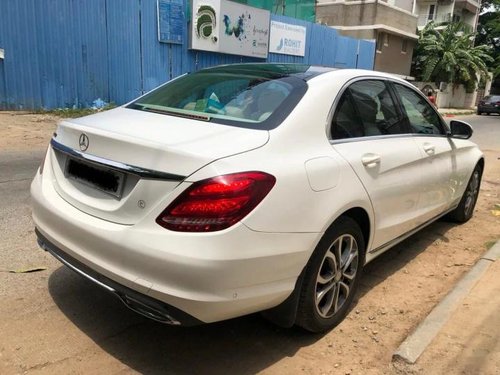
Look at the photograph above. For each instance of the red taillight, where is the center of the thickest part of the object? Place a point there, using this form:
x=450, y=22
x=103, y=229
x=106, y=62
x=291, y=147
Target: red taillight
x=216, y=203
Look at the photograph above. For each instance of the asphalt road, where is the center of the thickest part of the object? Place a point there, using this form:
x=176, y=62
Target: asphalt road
x=486, y=130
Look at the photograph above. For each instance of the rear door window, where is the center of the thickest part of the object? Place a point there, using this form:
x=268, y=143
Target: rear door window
x=367, y=109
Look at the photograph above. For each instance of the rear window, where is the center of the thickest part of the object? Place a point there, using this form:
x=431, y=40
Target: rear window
x=492, y=98
x=257, y=101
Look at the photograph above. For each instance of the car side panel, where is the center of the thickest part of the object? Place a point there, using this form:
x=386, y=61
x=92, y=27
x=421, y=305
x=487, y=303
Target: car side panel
x=393, y=184
x=438, y=165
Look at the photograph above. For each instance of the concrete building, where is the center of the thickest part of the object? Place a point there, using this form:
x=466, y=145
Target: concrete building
x=392, y=23
x=445, y=11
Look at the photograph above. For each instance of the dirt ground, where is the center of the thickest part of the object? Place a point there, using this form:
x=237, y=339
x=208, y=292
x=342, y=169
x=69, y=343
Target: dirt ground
x=53, y=322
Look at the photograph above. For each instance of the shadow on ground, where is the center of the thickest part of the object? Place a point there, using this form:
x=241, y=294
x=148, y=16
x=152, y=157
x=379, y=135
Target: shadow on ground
x=245, y=345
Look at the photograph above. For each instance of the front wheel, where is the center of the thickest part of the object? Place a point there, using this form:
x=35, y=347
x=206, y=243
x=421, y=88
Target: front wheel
x=331, y=277
x=465, y=208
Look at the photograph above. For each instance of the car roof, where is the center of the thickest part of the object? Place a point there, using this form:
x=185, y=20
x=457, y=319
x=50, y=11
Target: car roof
x=270, y=70
x=302, y=71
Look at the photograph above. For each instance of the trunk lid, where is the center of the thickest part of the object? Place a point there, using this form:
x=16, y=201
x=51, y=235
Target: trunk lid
x=119, y=164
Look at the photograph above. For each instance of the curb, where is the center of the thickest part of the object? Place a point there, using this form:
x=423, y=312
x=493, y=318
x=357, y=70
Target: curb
x=415, y=344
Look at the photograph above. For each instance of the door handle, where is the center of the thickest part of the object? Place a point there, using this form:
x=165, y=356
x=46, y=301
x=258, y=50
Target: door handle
x=429, y=149
x=370, y=160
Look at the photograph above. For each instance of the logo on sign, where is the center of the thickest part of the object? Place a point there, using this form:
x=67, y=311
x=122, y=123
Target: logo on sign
x=205, y=22
x=280, y=46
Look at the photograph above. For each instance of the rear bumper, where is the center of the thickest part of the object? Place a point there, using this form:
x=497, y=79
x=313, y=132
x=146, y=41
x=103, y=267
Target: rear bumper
x=191, y=277
x=134, y=300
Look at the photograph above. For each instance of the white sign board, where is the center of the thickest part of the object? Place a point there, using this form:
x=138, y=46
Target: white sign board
x=228, y=27
x=287, y=39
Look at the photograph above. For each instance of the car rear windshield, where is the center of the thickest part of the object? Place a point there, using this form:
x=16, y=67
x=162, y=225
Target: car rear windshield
x=257, y=100
x=492, y=98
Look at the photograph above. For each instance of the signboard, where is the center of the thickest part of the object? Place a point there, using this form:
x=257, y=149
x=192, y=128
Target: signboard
x=170, y=21
x=287, y=39
x=227, y=27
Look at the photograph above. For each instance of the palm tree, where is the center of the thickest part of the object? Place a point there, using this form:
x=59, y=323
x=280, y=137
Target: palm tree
x=448, y=55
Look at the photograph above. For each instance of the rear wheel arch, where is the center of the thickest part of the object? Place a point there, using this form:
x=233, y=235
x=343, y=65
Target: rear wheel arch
x=285, y=313
x=360, y=216
x=480, y=163
x=309, y=309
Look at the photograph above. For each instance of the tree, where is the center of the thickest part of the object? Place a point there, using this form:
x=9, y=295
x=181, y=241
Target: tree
x=488, y=32
x=448, y=55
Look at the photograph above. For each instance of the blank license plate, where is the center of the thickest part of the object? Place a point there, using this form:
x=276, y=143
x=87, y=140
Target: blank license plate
x=104, y=179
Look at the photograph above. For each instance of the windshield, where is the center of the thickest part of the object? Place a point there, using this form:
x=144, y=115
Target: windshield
x=255, y=100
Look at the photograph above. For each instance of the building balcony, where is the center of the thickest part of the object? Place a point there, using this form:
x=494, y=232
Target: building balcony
x=350, y=15
x=438, y=19
x=469, y=5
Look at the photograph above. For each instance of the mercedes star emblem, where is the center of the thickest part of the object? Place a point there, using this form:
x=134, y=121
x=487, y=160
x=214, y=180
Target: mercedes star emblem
x=83, y=142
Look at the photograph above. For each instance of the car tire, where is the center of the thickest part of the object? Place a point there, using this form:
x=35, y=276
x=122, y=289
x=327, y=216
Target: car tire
x=478, y=113
x=465, y=208
x=331, y=277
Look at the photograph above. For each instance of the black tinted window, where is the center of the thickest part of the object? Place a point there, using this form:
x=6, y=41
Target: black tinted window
x=422, y=117
x=376, y=108
x=346, y=122
x=366, y=109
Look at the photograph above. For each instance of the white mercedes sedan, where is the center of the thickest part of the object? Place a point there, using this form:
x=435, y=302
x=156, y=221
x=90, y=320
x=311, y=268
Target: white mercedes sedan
x=251, y=187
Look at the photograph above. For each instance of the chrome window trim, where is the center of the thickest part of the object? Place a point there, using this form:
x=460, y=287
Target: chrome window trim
x=145, y=173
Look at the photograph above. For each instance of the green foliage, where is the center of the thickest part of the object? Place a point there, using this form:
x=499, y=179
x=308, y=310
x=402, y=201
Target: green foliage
x=488, y=32
x=470, y=86
x=448, y=55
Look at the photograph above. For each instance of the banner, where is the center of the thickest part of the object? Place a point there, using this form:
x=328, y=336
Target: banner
x=287, y=39
x=227, y=27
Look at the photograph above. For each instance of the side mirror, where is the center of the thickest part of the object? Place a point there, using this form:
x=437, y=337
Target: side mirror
x=460, y=129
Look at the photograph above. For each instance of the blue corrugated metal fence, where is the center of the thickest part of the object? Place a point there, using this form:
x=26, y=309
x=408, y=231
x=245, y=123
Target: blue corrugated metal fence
x=67, y=53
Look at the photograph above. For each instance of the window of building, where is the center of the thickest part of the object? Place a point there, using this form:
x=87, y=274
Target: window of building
x=380, y=41
x=404, y=46
x=386, y=39
x=432, y=10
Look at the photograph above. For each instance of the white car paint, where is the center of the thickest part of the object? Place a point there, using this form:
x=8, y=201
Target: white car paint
x=254, y=264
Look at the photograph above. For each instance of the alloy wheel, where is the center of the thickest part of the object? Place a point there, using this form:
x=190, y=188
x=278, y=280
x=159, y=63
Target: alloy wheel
x=336, y=275
x=471, y=193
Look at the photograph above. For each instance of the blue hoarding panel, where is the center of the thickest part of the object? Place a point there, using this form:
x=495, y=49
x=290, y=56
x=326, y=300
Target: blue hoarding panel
x=68, y=53
x=366, y=55
x=3, y=96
